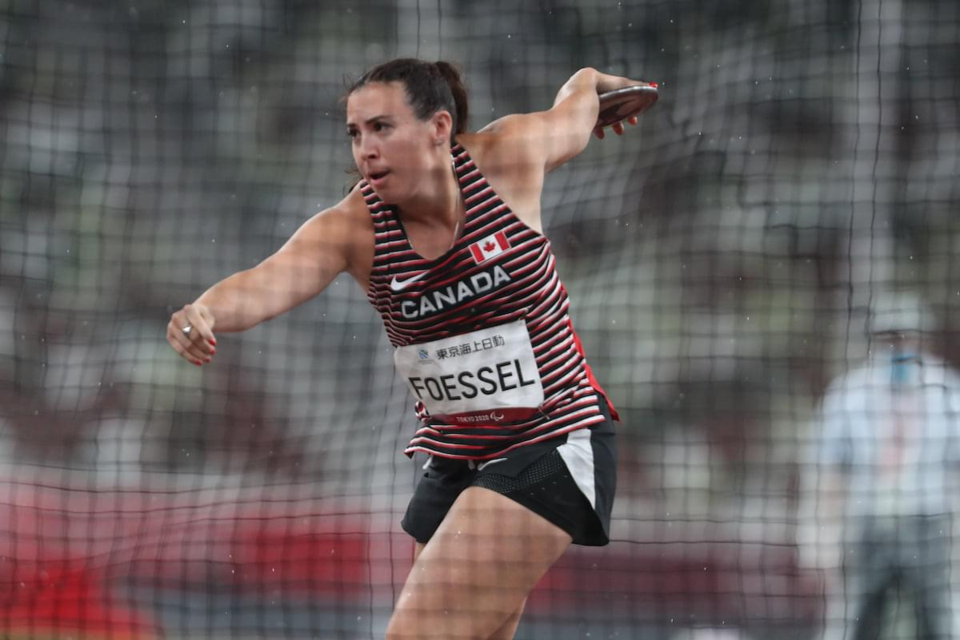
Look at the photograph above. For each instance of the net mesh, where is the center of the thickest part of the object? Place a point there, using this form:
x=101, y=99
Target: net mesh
x=722, y=260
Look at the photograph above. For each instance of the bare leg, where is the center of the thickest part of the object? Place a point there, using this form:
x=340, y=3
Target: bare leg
x=473, y=577
x=509, y=628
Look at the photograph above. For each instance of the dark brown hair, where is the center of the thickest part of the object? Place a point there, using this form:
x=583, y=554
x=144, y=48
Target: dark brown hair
x=430, y=87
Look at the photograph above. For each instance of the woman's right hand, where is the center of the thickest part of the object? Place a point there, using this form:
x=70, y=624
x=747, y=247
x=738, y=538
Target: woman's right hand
x=190, y=333
x=606, y=82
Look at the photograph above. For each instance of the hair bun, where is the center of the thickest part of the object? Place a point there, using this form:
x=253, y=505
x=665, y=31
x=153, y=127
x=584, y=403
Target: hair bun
x=451, y=73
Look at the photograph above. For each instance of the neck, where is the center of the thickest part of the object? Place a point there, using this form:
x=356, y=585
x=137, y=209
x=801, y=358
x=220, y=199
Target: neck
x=439, y=200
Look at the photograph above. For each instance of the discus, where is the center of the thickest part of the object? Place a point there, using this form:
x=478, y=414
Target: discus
x=620, y=104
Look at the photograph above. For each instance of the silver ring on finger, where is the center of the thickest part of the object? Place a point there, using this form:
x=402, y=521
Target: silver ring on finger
x=187, y=329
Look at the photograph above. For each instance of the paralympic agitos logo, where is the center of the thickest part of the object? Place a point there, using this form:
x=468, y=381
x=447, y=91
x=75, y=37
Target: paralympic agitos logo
x=434, y=301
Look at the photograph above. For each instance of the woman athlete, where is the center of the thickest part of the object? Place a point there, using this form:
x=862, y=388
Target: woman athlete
x=444, y=234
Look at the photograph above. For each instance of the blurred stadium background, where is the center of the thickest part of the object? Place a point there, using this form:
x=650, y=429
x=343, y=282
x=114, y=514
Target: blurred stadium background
x=721, y=258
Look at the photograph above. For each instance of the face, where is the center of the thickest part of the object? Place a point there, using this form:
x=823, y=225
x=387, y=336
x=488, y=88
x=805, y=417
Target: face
x=392, y=148
x=897, y=341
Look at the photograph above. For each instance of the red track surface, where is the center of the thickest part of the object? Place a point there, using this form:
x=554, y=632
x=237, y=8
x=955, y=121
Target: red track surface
x=60, y=549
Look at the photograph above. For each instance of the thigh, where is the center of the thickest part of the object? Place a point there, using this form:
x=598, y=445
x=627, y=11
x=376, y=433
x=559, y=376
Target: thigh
x=441, y=484
x=509, y=627
x=478, y=568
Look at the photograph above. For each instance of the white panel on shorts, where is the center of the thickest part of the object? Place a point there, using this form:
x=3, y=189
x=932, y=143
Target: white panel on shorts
x=577, y=454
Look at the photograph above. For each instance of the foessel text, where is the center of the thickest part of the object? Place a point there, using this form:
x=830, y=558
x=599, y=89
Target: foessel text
x=487, y=381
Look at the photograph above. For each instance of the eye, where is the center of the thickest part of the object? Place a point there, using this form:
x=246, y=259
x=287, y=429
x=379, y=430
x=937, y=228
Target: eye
x=352, y=133
x=380, y=126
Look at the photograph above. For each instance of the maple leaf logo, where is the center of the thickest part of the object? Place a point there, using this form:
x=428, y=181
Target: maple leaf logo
x=489, y=247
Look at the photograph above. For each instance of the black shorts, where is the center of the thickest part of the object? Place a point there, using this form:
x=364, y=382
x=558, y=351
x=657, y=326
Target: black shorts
x=570, y=480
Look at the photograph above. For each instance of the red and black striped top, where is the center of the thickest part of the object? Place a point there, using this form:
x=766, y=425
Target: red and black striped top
x=428, y=307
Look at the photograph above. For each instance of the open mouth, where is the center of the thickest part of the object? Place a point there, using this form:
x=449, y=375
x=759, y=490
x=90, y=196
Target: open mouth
x=378, y=175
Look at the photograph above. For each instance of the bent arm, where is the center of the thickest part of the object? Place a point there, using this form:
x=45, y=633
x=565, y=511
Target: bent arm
x=550, y=138
x=567, y=126
x=572, y=117
x=518, y=150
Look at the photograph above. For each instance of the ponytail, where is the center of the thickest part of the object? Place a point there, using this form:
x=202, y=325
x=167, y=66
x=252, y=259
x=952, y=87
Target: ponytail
x=454, y=80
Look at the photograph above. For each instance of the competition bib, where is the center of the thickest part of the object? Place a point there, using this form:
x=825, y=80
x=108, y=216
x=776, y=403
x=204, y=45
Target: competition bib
x=486, y=376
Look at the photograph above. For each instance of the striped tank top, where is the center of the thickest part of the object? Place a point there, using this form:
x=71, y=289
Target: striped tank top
x=482, y=334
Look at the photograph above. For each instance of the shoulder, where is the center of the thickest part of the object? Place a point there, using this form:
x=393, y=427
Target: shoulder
x=513, y=147
x=940, y=373
x=344, y=230
x=512, y=167
x=503, y=145
x=850, y=383
x=542, y=140
x=352, y=219
x=522, y=126
x=348, y=218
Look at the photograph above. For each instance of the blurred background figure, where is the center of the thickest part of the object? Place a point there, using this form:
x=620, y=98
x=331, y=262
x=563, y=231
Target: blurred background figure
x=885, y=479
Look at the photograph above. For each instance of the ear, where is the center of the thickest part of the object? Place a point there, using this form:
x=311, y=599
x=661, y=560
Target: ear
x=441, y=125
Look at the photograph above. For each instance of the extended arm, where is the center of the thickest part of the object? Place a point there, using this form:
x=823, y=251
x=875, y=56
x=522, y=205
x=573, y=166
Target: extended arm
x=303, y=267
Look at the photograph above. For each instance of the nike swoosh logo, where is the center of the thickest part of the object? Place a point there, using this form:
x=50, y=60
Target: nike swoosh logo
x=400, y=285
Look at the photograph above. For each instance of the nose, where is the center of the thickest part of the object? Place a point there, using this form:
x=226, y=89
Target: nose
x=367, y=148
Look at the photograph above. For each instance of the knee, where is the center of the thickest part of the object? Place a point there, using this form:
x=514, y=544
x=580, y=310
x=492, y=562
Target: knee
x=396, y=630
x=408, y=625
x=399, y=629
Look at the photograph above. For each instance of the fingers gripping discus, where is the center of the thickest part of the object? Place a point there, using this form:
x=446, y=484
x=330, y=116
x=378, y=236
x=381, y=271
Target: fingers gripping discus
x=620, y=104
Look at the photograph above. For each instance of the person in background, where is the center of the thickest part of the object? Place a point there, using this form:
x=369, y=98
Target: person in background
x=885, y=462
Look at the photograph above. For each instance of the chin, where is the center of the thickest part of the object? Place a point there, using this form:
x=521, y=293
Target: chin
x=385, y=196
x=390, y=194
